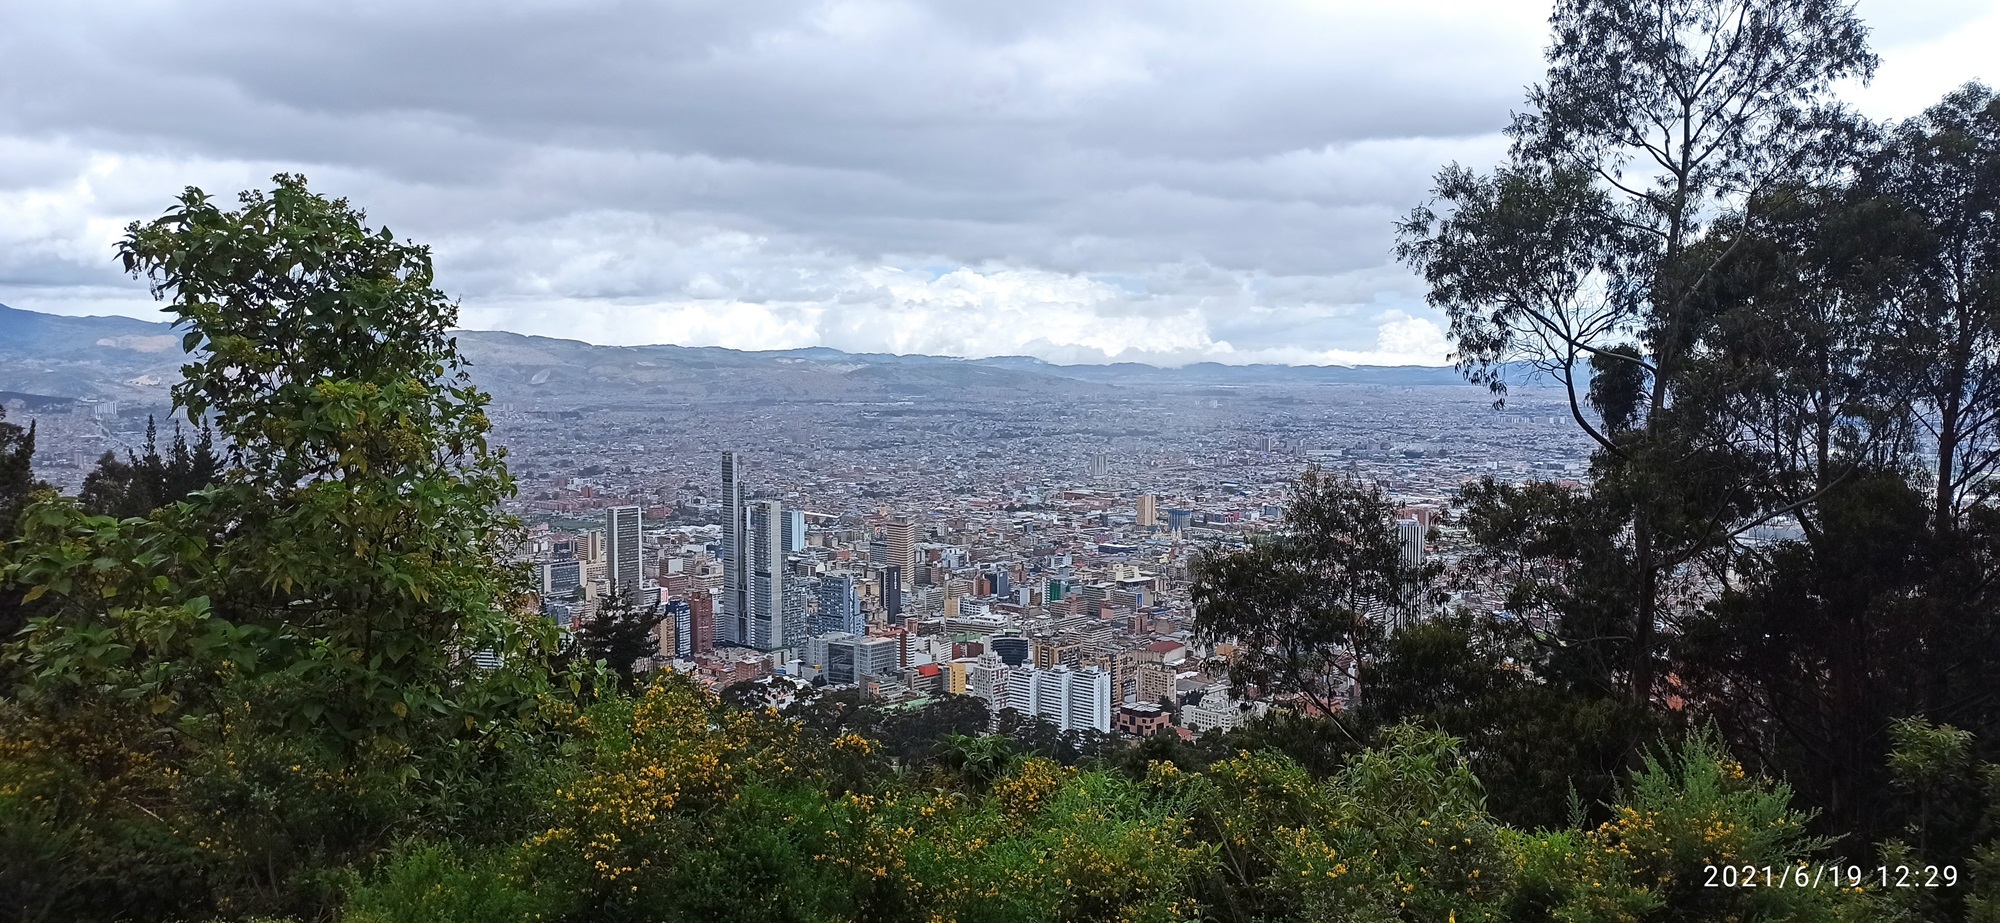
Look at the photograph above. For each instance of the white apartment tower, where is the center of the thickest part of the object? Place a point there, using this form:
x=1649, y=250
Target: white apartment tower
x=1074, y=699
x=1411, y=532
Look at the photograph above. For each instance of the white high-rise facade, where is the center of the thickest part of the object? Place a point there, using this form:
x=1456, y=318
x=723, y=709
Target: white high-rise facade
x=987, y=679
x=1411, y=532
x=1074, y=699
x=795, y=531
x=623, y=557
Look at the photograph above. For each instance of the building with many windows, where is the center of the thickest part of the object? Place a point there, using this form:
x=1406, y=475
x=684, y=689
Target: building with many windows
x=765, y=563
x=559, y=578
x=839, y=602
x=733, y=614
x=846, y=660
x=624, y=558
x=900, y=538
x=1075, y=700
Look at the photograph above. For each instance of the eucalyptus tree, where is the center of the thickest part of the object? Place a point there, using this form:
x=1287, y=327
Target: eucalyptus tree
x=1585, y=255
x=1943, y=169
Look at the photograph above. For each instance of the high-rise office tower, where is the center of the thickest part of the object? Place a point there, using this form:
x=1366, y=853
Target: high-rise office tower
x=622, y=553
x=794, y=622
x=765, y=564
x=892, y=593
x=900, y=537
x=1411, y=607
x=560, y=578
x=1411, y=531
x=1149, y=514
x=733, y=621
x=677, y=630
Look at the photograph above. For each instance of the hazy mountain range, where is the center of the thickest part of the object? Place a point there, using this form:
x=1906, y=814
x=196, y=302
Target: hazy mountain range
x=46, y=356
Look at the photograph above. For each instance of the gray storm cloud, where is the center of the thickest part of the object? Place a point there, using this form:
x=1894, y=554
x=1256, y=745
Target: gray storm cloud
x=1080, y=181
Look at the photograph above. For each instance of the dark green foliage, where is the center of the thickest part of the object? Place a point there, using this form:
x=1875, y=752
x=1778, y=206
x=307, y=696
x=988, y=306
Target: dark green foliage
x=977, y=761
x=1943, y=169
x=1543, y=747
x=17, y=474
x=1617, y=393
x=1949, y=800
x=1038, y=736
x=229, y=697
x=1788, y=318
x=912, y=735
x=1589, y=246
x=135, y=487
x=17, y=486
x=1298, y=603
x=622, y=635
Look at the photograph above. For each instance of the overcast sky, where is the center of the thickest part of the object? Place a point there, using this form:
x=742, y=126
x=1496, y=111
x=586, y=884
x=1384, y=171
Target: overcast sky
x=1151, y=180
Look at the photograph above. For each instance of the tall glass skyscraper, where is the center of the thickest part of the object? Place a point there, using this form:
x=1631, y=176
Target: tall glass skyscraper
x=732, y=623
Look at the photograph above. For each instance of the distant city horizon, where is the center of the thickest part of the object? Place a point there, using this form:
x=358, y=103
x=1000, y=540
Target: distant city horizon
x=805, y=350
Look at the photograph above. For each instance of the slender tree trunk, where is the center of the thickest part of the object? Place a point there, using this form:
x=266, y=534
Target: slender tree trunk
x=1947, y=460
x=1951, y=417
x=1644, y=619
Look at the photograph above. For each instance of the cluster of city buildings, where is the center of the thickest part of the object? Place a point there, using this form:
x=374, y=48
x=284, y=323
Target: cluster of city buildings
x=1073, y=608
x=1034, y=552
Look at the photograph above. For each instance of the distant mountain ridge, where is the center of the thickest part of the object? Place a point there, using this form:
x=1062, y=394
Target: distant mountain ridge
x=124, y=358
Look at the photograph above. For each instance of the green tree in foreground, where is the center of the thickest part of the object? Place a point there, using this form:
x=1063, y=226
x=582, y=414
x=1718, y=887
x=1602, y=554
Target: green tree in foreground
x=1299, y=602
x=672, y=805
x=17, y=484
x=253, y=684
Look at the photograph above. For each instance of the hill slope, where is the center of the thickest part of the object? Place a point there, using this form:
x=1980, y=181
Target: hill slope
x=126, y=359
